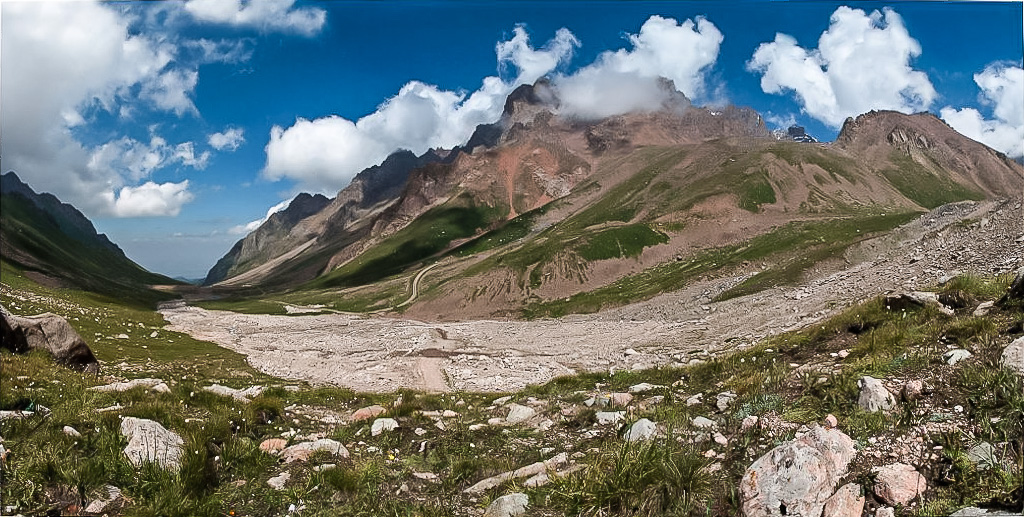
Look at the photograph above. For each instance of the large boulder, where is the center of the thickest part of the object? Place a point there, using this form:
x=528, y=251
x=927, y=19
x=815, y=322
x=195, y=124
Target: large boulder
x=797, y=477
x=898, y=483
x=148, y=441
x=48, y=332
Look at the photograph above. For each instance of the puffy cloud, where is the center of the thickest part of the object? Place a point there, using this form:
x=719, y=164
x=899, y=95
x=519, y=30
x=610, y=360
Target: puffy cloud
x=1002, y=86
x=150, y=199
x=628, y=80
x=265, y=15
x=862, y=63
x=221, y=51
x=62, y=62
x=324, y=154
x=230, y=139
x=245, y=229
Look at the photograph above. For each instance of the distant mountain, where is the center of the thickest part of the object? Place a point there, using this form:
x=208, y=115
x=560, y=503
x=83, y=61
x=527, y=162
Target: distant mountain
x=545, y=213
x=54, y=243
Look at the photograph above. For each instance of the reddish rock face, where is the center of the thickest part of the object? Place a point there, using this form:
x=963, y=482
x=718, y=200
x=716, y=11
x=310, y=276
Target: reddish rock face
x=898, y=483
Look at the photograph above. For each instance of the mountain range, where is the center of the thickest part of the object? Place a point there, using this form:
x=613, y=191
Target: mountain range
x=541, y=214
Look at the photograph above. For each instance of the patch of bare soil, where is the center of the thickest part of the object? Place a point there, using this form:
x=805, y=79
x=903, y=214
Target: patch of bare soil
x=383, y=354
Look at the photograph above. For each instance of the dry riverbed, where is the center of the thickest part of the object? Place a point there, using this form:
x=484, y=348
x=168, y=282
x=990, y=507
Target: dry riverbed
x=380, y=353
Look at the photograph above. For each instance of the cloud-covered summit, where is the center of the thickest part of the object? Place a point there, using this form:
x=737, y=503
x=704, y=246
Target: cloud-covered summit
x=325, y=153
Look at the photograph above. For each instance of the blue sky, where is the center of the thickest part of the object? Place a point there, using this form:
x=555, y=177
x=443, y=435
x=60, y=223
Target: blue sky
x=175, y=125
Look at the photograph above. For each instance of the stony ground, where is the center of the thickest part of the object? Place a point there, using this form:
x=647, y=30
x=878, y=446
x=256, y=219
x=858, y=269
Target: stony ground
x=379, y=353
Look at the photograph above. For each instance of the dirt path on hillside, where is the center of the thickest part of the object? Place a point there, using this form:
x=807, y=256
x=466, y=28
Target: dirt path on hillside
x=377, y=353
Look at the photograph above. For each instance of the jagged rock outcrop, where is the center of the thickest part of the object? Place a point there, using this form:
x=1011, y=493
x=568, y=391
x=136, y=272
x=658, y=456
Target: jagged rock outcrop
x=48, y=332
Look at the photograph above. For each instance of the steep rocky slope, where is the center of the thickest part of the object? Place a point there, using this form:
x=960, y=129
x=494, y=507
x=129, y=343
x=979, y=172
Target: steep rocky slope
x=54, y=243
x=539, y=207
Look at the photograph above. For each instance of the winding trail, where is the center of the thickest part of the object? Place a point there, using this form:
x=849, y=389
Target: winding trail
x=416, y=285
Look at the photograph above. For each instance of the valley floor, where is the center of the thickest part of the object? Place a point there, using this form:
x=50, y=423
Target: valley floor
x=379, y=353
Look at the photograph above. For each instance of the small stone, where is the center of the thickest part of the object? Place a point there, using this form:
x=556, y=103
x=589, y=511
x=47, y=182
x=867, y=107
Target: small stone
x=302, y=451
x=955, y=356
x=367, y=413
x=161, y=388
x=912, y=390
x=419, y=431
x=642, y=429
x=748, y=422
x=720, y=439
x=278, y=482
x=653, y=401
x=983, y=308
x=843, y=354
x=695, y=400
x=898, y=483
x=148, y=441
x=642, y=387
x=620, y=399
x=724, y=400
x=983, y=455
x=325, y=466
x=874, y=396
x=112, y=495
x=831, y=422
x=509, y=505
x=501, y=401
x=71, y=431
x=704, y=423
x=426, y=476
x=1013, y=356
x=383, y=424
x=273, y=444
x=609, y=417
x=885, y=511
x=518, y=414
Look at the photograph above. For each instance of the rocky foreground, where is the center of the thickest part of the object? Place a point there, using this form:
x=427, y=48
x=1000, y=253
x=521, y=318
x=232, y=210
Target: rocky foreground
x=909, y=404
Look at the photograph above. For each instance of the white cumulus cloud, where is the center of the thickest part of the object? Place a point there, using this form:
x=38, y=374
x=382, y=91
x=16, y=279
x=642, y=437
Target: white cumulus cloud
x=863, y=62
x=230, y=139
x=265, y=15
x=62, y=61
x=1002, y=87
x=324, y=154
x=150, y=199
x=627, y=80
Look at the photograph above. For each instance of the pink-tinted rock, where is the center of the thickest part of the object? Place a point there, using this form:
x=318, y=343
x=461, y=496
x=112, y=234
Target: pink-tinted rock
x=846, y=502
x=302, y=451
x=367, y=413
x=273, y=444
x=831, y=422
x=797, y=477
x=912, y=390
x=898, y=483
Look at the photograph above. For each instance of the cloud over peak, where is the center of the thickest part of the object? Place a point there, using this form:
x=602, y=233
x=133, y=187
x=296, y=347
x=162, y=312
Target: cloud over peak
x=324, y=154
x=863, y=62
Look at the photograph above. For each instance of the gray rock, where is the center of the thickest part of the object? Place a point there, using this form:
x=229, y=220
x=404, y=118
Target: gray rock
x=109, y=495
x=642, y=429
x=983, y=308
x=1013, y=356
x=609, y=417
x=643, y=386
x=148, y=441
x=983, y=455
x=518, y=414
x=724, y=400
x=302, y=451
x=873, y=395
x=245, y=395
x=383, y=424
x=50, y=333
x=704, y=423
x=72, y=432
x=848, y=501
x=278, y=482
x=885, y=511
x=509, y=505
x=128, y=385
x=955, y=356
x=973, y=511
x=797, y=477
x=898, y=483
